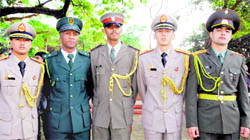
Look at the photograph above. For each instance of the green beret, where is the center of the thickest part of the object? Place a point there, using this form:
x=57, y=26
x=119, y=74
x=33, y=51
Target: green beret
x=164, y=22
x=69, y=23
x=224, y=17
x=21, y=30
x=112, y=18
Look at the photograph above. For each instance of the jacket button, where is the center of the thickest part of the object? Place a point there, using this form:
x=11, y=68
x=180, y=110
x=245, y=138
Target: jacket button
x=71, y=107
x=70, y=74
x=71, y=85
x=71, y=96
x=110, y=99
x=221, y=82
x=222, y=92
x=222, y=73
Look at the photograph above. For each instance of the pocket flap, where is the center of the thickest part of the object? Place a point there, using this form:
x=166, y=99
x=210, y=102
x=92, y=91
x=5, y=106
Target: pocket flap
x=80, y=77
x=55, y=108
x=59, y=78
x=234, y=71
x=85, y=108
x=5, y=116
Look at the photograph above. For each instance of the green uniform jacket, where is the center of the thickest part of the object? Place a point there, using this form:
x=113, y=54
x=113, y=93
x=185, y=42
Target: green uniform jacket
x=68, y=104
x=213, y=116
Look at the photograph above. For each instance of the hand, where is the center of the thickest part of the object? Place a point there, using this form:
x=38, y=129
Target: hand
x=244, y=132
x=193, y=132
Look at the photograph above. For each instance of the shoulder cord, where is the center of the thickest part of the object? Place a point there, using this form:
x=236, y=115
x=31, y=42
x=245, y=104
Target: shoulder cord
x=127, y=76
x=170, y=82
x=31, y=100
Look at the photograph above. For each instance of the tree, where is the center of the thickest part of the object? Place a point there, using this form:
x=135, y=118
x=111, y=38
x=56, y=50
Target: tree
x=240, y=39
x=40, y=14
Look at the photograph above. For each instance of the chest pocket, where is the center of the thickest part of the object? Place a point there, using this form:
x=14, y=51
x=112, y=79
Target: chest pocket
x=234, y=75
x=80, y=80
x=153, y=77
x=60, y=82
x=9, y=86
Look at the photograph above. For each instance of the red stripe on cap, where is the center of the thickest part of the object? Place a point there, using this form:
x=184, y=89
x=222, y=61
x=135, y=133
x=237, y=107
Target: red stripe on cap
x=116, y=19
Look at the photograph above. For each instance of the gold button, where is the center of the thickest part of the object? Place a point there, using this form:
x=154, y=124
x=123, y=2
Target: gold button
x=71, y=96
x=222, y=73
x=221, y=82
x=71, y=85
x=222, y=92
x=70, y=74
x=71, y=107
x=50, y=109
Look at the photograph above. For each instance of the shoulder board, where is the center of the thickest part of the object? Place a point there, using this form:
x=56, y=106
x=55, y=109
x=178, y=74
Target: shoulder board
x=199, y=52
x=182, y=51
x=237, y=53
x=4, y=57
x=83, y=53
x=36, y=60
x=50, y=55
x=133, y=48
x=144, y=52
x=96, y=47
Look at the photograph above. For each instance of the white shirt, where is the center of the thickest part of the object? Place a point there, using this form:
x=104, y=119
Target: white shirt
x=117, y=47
x=65, y=55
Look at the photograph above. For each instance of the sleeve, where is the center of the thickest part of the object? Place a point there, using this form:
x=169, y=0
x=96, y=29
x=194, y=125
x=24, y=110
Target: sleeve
x=141, y=81
x=46, y=83
x=89, y=84
x=191, y=96
x=243, y=101
x=134, y=82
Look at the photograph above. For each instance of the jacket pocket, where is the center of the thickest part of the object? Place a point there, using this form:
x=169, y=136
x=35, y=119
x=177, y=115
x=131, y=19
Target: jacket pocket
x=5, y=123
x=128, y=109
x=54, y=115
x=85, y=115
x=60, y=81
x=234, y=75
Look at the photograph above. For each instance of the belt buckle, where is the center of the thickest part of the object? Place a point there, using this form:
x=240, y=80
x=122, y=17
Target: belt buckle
x=221, y=98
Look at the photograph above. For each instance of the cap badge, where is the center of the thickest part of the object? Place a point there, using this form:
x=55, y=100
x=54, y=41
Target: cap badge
x=71, y=21
x=224, y=21
x=112, y=18
x=226, y=12
x=21, y=27
x=163, y=18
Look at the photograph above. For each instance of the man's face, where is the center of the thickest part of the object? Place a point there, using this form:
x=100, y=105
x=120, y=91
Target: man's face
x=20, y=46
x=113, y=32
x=69, y=39
x=164, y=37
x=221, y=36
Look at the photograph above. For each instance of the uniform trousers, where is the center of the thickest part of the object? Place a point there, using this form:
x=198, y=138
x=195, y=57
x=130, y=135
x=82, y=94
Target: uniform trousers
x=100, y=133
x=85, y=135
x=210, y=136
x=151, y=135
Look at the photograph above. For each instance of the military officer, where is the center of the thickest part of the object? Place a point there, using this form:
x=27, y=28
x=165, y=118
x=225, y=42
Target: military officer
x=161, y=79
x=68, y=114
x=217, y=99
x=114, y=74
x=21, y=78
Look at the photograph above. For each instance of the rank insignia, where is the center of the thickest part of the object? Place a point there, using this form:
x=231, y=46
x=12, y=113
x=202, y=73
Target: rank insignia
x=9, y=77
x=152, y=68
x=21, y=27
x=163, y=18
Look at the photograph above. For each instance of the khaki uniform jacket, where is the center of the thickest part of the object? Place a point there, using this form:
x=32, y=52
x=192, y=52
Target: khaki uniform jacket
x=213, y=116
x=159, y=116
x=116, y=108
x=16, y=122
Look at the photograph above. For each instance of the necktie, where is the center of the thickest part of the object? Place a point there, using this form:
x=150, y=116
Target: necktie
x=70, y=56
x=21, y=65
x=163, y=60
x=112, y=54
x=220, y=58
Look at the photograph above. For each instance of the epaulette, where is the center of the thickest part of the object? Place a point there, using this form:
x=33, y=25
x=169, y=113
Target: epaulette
x=83, y=53
x=237, y=53
x=144, y=52
x=4, y=57
x=182, y=51
x=199, y=52
x=96, y=47
x=36, y=60
x=133, y=47
x=50, y=55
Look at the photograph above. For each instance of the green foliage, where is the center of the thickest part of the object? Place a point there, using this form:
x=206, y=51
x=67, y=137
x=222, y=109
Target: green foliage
x=89, y=11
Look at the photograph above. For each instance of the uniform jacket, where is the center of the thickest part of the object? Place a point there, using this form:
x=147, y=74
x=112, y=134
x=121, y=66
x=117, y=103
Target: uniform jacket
x=159, y=116
x=117, y=108
x=16, y=122
x=68, y=105
x=213, y=116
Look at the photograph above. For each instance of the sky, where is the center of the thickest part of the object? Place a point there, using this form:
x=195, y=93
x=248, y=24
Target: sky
x=190, y=18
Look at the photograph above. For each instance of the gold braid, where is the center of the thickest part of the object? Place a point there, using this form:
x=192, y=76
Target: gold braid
x=127, y=76
x=31, y=100
x=170, y=82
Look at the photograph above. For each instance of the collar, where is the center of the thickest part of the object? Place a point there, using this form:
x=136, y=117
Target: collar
x=217, y=53
x=65, y=55
x=159, y=52
x=116, y=47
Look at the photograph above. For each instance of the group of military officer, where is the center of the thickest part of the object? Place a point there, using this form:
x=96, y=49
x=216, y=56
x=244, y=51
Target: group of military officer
x=212, y=81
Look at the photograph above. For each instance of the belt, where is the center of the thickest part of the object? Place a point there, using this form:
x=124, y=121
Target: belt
x=216, y=97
